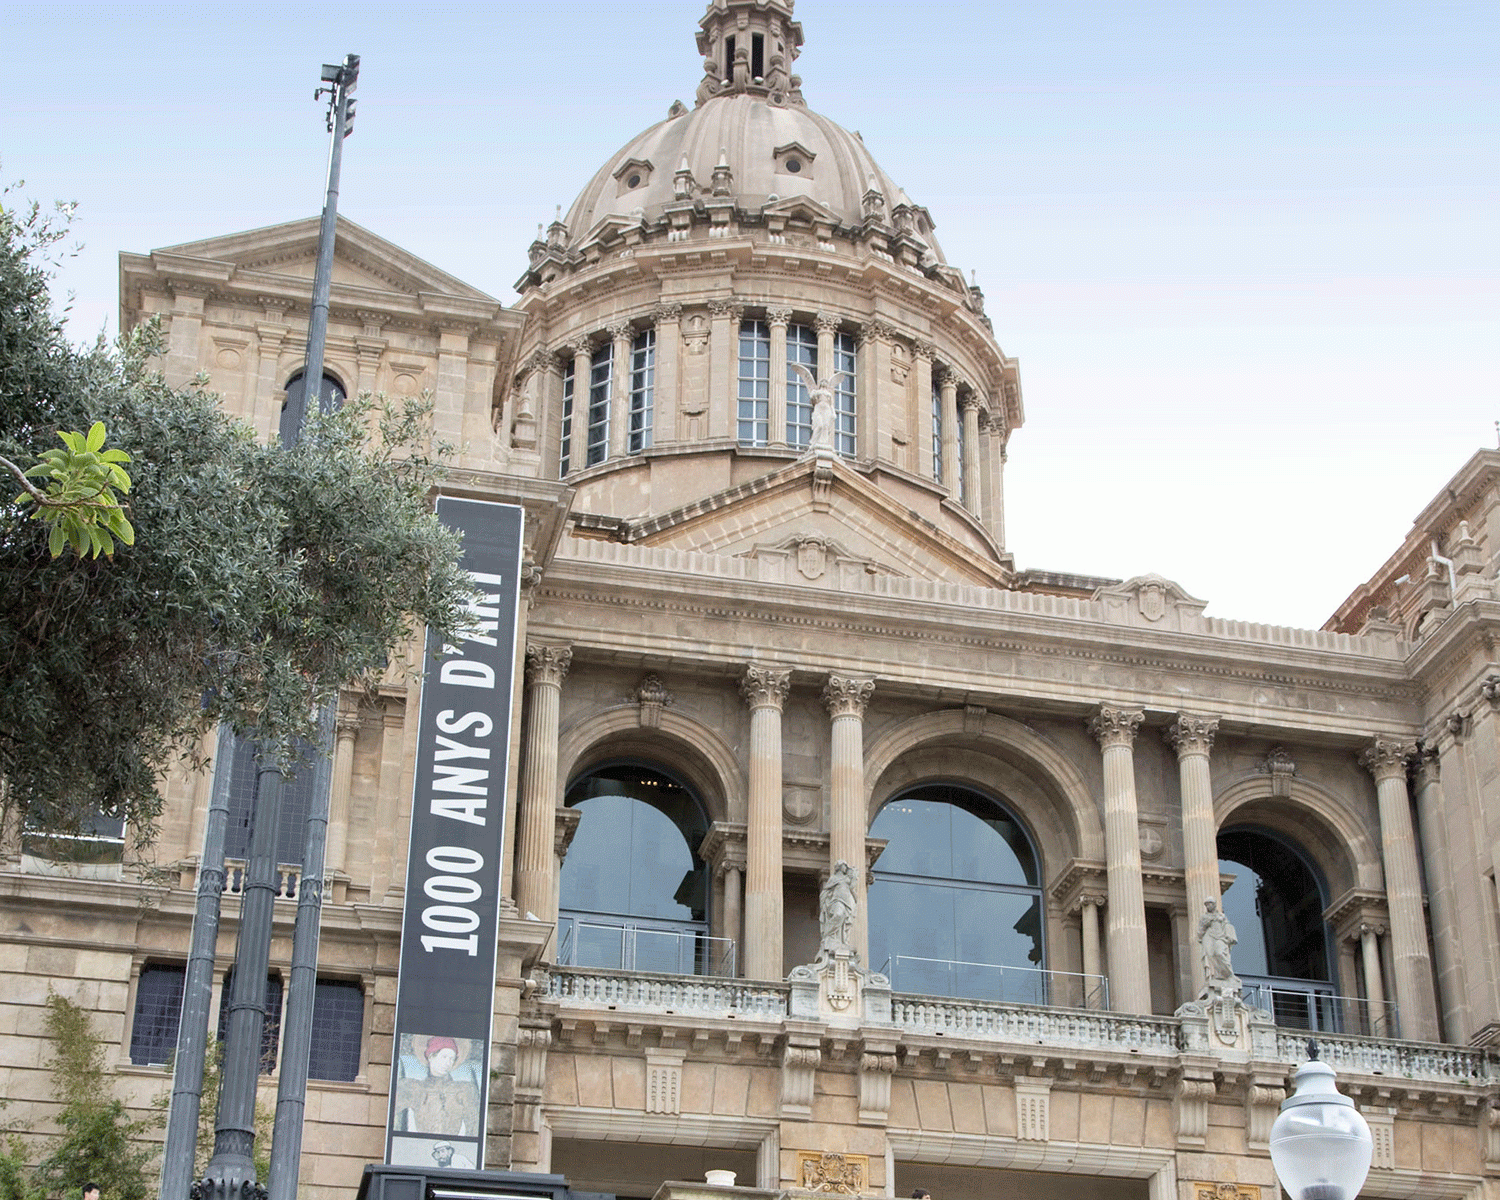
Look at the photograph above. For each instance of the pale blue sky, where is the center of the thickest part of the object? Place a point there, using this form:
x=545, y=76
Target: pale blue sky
x=1248, y=254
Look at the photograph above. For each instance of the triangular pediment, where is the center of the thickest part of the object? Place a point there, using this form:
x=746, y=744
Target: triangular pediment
x=361, y=259
x=802, y=208
x=818, y=521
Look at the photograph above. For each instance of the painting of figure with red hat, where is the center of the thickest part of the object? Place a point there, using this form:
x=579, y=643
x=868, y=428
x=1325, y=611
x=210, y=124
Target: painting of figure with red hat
x=437, y=1086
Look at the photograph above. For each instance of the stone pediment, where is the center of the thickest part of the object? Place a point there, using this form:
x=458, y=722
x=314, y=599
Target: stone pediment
x=361, y=260
x=1149, y=600
x=819, y=522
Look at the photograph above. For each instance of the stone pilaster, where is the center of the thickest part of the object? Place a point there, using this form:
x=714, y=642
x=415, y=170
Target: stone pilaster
x=1193, y=737
x=536, y=885
x=1442, y=912
x=765, y=690
x=921, y=354
x=346, y=729
x=846, y=697
x=723, y=348
x=1129, y=980
x=619, y=388
x=1386, y=761
x=668, y=369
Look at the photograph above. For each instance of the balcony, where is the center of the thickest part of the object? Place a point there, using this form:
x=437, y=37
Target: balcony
x=1303, y=1004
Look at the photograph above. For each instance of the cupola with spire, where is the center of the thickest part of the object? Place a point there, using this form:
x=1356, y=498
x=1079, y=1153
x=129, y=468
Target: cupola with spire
x=748, y=47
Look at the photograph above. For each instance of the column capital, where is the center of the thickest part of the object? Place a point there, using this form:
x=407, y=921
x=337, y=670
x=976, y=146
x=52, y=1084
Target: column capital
x=1115, y=726
x=847, y=695
x=1385, y=758
x=1377, y=928
x=924, y=349
x=1489, y=690
x=970, y=401
x=582, y=344
x=620, y=331
x=1428, y=764
x=1191, y=734
x=778, y=316
x=766, y=686
x=877, y=329
x=667, y=310
x=547, y=663
x=346, y=725
x=541, y=359
x=828, y=322
x=730, y=308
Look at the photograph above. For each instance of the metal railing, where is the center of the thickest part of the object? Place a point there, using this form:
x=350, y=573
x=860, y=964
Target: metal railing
x=1303, y=1004
x=958, y=980
x=625, y=947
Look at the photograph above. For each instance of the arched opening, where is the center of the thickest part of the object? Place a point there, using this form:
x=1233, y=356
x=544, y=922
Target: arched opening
x=1276, y=905
x=633, y=892
x=956, y=905
x=293, y=412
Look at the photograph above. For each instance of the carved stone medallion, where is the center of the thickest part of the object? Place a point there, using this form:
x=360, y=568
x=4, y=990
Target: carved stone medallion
x=837, y=1174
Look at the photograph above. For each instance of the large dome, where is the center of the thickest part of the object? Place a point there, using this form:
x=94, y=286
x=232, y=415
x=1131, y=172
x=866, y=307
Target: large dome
x=773, y=152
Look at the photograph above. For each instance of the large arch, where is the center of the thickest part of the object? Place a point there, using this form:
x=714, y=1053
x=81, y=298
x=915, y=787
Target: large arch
x=686, y=746
x=1326, y=826
x=997, y=755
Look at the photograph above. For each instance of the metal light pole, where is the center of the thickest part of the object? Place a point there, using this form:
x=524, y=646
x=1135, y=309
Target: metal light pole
x=291, y=1092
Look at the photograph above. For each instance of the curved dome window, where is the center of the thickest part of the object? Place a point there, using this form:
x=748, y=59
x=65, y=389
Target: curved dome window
x=794, y=165
x=634, y=893
x=293, y=412
x=634, y=181
x=956, y=906
x=1276, y=905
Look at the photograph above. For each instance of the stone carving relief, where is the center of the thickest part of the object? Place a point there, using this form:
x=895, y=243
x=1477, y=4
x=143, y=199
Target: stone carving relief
x=1226, y=1191
x=812, y=557
x=836, y=1174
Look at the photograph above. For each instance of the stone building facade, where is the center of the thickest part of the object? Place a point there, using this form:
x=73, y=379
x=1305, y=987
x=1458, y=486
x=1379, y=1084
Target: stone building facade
x=758, y=425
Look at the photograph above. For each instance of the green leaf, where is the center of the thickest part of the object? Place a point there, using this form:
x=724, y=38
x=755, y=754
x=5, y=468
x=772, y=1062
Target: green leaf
x=57, y=540
x=96, y=436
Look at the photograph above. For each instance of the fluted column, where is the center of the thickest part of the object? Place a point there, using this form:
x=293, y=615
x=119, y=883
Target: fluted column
x=827, y=325
x=971, y=452
x=921, y=359
x=578, y=430
x=346, y=729
x=777, y=319
x=536, y=886
x=1386, y=760
x=731, y=923
x=1442, y=911
x=948, y=382
x=1193, y=737
x=1129, y=976
x=619, y=388
x=765, y=690
x=1369, y=944
x=1088, y=914
x=846, y=697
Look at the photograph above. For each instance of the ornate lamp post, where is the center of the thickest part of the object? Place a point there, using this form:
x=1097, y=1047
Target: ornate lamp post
x=1320, y=1145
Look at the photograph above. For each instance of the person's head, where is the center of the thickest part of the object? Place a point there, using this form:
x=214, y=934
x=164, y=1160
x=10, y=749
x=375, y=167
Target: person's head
x=91, y=1191
x=921, y=1194
x=443, y=1154
x=442, y=1055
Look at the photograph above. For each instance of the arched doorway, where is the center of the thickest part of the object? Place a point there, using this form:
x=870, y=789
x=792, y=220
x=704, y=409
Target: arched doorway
x=956, y=906
x=633, y=894
x=1276, y=905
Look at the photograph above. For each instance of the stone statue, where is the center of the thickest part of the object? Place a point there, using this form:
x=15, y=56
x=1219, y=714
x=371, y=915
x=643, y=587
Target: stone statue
x=1216, y=938
x=821, y=394
x=836, y=907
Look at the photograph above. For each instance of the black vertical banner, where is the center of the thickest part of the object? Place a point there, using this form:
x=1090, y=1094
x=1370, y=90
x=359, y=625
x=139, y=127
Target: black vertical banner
x=446, y=986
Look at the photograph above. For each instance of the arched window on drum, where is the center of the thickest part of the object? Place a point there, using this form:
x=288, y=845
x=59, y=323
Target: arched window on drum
x=633, y=892
x=956, y=906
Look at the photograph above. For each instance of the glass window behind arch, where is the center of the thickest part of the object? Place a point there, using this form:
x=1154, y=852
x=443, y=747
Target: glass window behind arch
x=331, y=397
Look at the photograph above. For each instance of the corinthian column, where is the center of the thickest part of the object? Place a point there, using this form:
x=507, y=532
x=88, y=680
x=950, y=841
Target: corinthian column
x=1193, y=737
x=971, y=452
x=846, y=698
x=1129, y=976
x=1412, y=966
x=948, y=383
x=536, y=887
x=621, y=335
x=765, y=690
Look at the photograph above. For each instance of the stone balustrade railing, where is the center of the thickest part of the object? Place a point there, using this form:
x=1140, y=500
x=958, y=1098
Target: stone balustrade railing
x=1036, y=1026
x=698, y=994
x=1419, y=1061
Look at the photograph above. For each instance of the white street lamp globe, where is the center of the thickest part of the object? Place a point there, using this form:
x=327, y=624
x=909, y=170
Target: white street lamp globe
x=1320, y=1145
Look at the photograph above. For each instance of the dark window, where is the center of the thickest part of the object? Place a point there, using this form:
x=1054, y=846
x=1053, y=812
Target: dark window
x=601, y=369
x=729, y=57
x=642, y=390
x=956, y=906
x=757, y=56
x=331, y=397
x=937, y=431
x=270, y=1037
x=754, y=413
x=98, y=838
x=1275, y=905
x=338, y=1027
x=296, y=799
x=634, y=892
x=158, y=1013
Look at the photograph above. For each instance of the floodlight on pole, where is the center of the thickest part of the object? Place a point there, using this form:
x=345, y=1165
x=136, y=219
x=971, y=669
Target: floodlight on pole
x=1320, y=1144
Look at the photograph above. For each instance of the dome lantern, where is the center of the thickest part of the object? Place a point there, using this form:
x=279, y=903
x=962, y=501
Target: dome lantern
x=748, y=47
